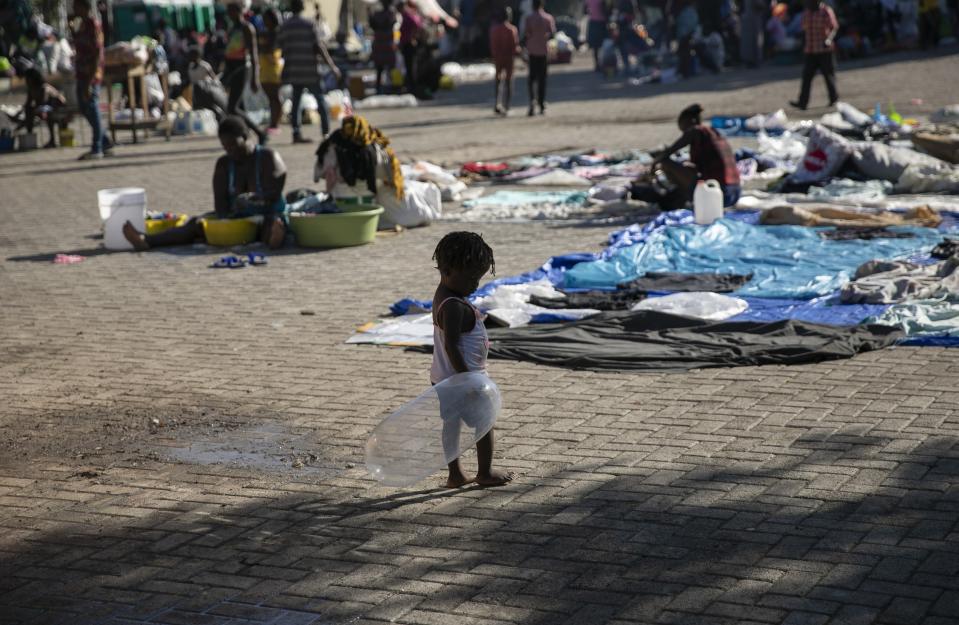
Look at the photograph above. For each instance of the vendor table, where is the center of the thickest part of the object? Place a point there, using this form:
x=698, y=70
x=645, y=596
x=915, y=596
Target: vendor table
x=134, y=76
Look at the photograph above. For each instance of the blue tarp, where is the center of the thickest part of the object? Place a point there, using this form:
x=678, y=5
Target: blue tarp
x=786, y=261
x=818, y=308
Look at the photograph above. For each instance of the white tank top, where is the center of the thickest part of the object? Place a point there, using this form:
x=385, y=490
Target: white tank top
x=474, y=346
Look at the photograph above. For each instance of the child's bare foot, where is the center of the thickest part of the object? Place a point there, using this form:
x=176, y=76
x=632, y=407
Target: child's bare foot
x=135, y=238
x=495, y=478
x=455, y=481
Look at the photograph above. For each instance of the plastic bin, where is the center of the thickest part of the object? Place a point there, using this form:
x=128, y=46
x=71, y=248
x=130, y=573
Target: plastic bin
x=228, y=232
x=156, y=226
x=27, y=141
x=67, y=138
x=356, y=225
x=117, y=206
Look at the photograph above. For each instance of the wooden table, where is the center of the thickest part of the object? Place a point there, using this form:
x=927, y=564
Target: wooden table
x=132, y=76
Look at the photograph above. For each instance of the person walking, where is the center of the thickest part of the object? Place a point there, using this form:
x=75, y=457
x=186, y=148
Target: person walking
x=88, y=43
x=597, y=28
x=820, y=26
x=929, y=19
x=751, y=41
x=411, y=32
x=241, y=64
x=271, y=66
x=383, y=25
x=504, y=46
x=539, y=29
x=304, y=54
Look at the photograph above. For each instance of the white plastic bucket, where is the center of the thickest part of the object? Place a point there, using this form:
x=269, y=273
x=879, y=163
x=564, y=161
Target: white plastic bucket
x=117, y=206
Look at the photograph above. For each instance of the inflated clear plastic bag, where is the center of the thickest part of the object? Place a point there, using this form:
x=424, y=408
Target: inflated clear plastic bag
x=434, y=429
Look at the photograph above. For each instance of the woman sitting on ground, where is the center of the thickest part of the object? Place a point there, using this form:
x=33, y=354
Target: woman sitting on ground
x=710, y=158
x=247, y=182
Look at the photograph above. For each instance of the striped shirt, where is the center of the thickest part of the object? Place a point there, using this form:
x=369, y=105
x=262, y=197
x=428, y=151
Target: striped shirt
x=819, y=24
x=299, y=39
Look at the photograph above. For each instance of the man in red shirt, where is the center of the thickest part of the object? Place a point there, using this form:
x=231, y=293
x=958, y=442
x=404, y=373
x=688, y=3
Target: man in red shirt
x=820, y=26
x=540, y=28
x=504, y=46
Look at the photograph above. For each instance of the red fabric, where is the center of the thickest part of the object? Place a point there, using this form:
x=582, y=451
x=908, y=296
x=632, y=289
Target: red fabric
x=88, y=42
x=480, y=167
x=503, y=41
x=713, y=157
x=818, y=25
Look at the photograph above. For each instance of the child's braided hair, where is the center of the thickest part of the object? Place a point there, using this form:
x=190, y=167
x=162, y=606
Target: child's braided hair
x=463, y=251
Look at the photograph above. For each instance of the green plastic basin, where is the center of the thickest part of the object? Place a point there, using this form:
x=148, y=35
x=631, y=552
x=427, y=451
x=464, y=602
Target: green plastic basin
x=356, y=225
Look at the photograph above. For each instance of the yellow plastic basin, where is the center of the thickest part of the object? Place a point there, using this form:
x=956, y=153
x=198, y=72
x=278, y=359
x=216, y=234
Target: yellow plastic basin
x=156, y=226
x=227, y=232
x=356, y=225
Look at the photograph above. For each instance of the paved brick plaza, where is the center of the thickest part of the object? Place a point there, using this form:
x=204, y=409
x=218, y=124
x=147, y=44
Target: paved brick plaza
x=184, y=446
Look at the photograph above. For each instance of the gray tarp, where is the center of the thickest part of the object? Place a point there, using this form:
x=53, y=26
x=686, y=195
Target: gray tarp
x=655, y=340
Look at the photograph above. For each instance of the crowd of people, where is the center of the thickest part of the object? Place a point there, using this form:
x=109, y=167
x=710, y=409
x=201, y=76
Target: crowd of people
x=262, y=49
x=715, y=33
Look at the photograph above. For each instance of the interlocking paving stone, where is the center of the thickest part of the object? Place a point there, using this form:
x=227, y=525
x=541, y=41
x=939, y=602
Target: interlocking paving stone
x=806, y=495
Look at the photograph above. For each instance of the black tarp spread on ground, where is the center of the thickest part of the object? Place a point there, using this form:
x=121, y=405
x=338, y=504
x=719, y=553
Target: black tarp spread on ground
x=655, y=340
x=684, y=282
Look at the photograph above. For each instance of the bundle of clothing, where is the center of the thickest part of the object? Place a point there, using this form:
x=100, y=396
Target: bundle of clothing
x=358, y=152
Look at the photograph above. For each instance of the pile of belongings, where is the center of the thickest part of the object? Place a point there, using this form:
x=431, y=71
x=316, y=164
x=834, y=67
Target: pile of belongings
x=846, y=240
x=358, y=161
x=674, y=295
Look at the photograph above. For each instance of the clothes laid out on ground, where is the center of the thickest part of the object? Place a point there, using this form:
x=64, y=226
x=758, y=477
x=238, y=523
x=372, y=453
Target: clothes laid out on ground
x=948, y=247
x=661, y=341
x=864, y=232
x=599, y=300
x=890, y=282
x=840, y=218
x=930, y=322
x=522, y=206
x=803, y=161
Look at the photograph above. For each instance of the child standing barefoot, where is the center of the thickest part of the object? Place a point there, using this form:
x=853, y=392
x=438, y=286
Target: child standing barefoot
x=460, y=343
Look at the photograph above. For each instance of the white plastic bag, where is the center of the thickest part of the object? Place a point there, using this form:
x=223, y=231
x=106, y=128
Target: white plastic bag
x=422, y=203
x=825, y=154
x=921, y=178
x=853, y=115
x=339, y=105
x=772, y=121
x=786, y=147
x=424, y=436
x=702, y=305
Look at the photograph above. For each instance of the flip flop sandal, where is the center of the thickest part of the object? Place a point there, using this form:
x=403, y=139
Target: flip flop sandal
x=256, y=258
x=228, y=262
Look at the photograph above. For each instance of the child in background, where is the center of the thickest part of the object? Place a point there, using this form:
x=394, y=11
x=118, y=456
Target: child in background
x=504, y=46
x=271, y=66
x=45, y=102
x=460, y=343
